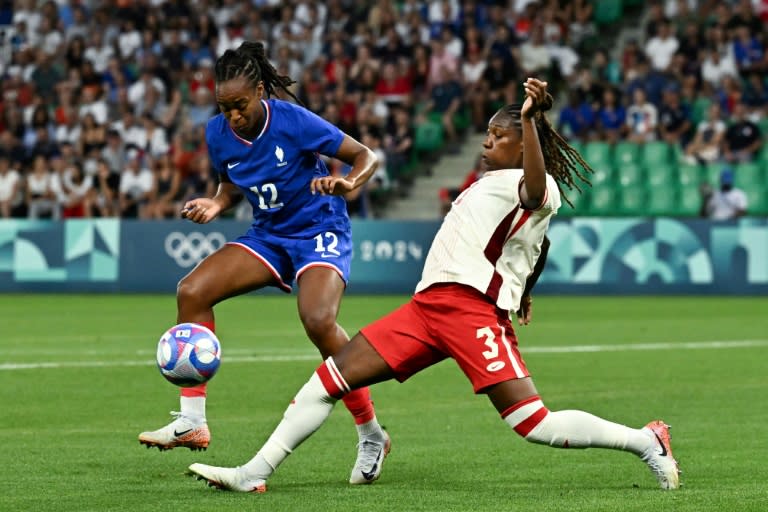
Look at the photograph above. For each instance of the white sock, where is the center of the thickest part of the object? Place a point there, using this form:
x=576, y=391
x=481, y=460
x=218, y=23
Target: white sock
x=308, y=411
x=193, y=408
x=370, y=429
x=574, y=429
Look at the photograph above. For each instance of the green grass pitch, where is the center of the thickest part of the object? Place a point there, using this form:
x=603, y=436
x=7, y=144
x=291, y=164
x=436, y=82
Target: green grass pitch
x=78, y=383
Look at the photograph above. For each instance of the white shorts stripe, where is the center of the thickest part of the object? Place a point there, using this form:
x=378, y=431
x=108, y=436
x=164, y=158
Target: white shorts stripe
x=519, y=373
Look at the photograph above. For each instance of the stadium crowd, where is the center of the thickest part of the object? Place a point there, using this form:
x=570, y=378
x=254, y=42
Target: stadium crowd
x=104, y=104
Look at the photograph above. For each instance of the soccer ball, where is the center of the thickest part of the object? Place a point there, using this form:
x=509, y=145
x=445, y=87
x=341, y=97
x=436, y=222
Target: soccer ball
x=188, y=354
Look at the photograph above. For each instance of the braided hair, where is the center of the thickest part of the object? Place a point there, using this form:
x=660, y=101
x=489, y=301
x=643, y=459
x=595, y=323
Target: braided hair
x=250, y=61
x=562, y=161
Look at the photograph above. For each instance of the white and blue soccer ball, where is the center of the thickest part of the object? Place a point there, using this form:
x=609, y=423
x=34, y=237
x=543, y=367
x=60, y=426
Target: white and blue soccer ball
x=188, y=354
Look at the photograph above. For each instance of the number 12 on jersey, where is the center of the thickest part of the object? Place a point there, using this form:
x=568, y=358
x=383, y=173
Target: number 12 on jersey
x=267, y=190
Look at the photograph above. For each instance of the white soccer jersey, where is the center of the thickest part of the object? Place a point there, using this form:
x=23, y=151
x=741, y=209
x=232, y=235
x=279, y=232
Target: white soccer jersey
x=489, y=241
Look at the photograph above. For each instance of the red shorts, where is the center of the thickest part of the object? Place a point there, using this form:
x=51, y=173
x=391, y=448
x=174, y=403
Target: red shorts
x=449, y=320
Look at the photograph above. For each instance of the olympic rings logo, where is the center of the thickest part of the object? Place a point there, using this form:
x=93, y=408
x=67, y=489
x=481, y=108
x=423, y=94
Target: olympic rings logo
x=188, y=250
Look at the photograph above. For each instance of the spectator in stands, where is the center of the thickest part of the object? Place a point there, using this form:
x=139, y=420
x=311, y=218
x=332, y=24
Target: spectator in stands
x=398, y=145
x=200, y=181
x=446, y=98
x=11, y=190
x=156, y=142
x=393, y=88
x=728, y=202
x=577, y=119
x=75, y=191
x=748, y=50
x=660, y=48
x=642, y=118
x=716, y=65
x=92, y=135
x=706, y=144
x=99, y=51
x=674, y=118
x=41, y=196
x=472, y=70
x=441, y=63
x=581, y=28
x=129, y=129
x=605, y=70
x=164, y=199
x=497, y=85
x=611, y=118
x=742, y=139
x=105, y=191
x=535, y=58
x=136, y=185
x=756, y=94
x=379, y=186
x=202, y=107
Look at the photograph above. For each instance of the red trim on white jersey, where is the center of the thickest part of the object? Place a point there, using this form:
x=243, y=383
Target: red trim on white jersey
x=496, y=281
x=266, y=263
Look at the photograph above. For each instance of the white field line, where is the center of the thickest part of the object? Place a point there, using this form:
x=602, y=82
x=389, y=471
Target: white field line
x=276, y=358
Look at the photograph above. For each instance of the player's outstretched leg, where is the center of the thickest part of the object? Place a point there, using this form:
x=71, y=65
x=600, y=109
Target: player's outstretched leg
x=578, y=429
x=306, y=413
x=189, y=428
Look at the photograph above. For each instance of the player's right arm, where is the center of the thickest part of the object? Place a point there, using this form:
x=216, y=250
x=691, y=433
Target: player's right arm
x=204, y=210
x=533, y=191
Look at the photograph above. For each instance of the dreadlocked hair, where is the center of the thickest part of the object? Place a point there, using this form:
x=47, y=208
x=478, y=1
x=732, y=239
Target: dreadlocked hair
x=250, y=61
x=562, y=161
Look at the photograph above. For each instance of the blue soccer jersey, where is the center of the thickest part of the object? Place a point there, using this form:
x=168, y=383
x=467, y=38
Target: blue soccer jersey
x=275, y=169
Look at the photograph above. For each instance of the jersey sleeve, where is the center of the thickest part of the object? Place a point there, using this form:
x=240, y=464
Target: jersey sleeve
x=210, y=143
x=317, y=134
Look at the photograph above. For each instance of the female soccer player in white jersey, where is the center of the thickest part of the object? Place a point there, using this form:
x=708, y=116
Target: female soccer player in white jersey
x=268, y=151
x=474, y=275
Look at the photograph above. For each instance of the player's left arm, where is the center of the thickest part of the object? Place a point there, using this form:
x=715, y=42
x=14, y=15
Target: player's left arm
x=525, y=313
x=363, y=161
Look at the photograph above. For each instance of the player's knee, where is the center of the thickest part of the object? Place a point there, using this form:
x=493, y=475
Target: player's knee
x=190, y=292
x=319, y=323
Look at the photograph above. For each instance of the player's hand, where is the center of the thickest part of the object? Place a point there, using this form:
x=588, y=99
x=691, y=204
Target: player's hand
x=535, y=97
x=331, y=185
x=525, y=313
x=201, y=211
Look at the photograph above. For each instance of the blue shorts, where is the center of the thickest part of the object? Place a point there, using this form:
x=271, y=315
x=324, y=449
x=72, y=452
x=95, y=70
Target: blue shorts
x=288, y=257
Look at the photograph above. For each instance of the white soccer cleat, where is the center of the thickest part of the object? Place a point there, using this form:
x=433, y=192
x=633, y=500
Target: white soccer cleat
x=227, y=479
x=182, y=431
x=659, y=457
x=370, y=459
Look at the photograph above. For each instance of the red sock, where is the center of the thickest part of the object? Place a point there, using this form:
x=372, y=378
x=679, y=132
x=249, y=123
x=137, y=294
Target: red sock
x=360, y=405
x=197, y=391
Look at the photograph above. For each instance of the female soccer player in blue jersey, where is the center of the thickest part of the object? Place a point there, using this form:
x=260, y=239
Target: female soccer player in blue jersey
x=268, y=151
